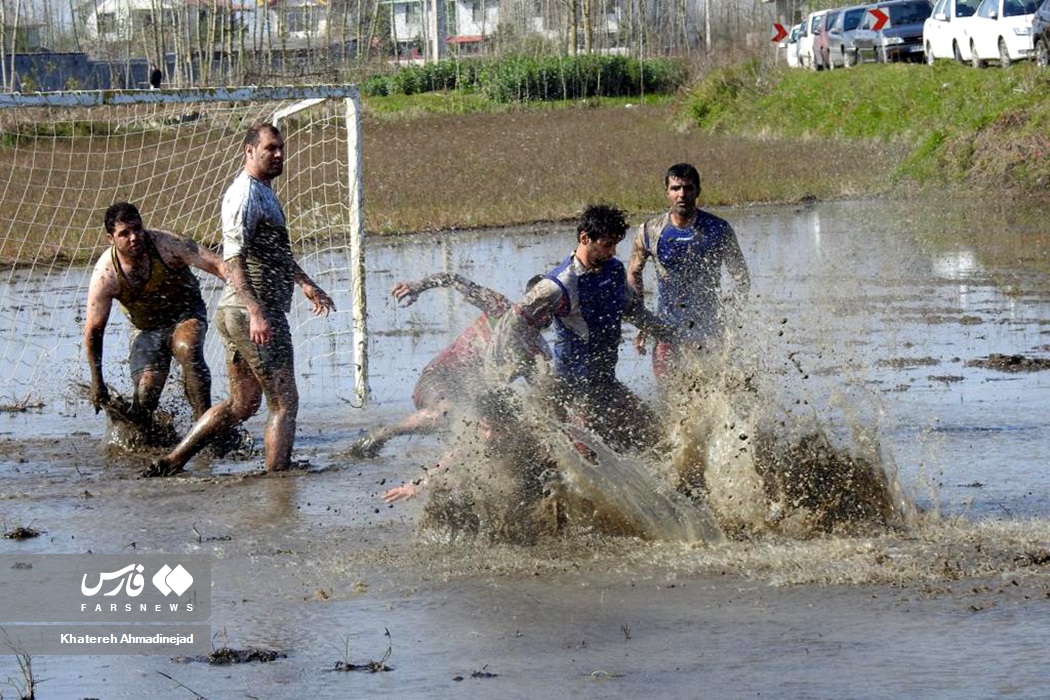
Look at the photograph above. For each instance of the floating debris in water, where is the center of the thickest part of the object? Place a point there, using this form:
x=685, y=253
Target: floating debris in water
x=21, y=533
x=1011, y=363
x=227, y=655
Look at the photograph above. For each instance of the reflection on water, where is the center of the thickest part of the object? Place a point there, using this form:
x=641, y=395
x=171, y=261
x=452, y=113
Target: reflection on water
x=860, y=325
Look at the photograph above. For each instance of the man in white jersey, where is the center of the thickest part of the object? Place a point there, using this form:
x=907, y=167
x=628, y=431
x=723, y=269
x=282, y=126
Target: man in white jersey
x=261, y=274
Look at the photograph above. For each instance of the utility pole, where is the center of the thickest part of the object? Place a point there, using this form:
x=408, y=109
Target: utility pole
x=436, y=30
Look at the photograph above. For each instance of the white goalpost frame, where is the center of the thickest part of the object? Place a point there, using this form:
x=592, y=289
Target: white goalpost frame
x=306, y=96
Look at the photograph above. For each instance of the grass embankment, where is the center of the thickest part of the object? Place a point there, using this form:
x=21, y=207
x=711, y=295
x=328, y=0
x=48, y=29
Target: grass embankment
x=959, y=125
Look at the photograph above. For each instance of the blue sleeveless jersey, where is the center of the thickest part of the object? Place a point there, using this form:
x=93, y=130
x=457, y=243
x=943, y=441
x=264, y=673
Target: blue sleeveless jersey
x=689, y=268
x=587, y=323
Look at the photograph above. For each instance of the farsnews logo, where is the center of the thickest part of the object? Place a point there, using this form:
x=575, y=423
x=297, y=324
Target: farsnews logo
x=166, y=580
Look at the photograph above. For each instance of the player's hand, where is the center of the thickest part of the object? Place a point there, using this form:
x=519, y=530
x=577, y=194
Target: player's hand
x=640, y=341
x=99, y=395
x=322, y=303
x=259, y=329
x=406, y=292
x=402, y=492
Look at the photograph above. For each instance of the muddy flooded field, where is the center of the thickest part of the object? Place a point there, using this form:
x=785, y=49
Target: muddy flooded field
x=907, y=341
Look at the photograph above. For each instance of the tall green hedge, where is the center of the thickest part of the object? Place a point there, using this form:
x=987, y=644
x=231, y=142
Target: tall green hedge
x=526, y=79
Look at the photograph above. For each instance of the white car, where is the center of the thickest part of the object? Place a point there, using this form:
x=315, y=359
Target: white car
x=790, y=46
x=1000, y=30
x=942, y=33
x=813, y=21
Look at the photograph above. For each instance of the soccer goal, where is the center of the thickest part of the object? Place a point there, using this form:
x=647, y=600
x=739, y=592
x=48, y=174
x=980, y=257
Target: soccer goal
x=65, y=157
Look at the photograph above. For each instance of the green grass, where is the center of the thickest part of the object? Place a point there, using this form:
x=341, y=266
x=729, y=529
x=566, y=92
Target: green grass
x=959, y=124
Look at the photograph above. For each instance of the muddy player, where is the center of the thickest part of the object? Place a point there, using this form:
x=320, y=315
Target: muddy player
x=588, y=297
x=261, y=274
x=688, y=247
x=497, y=479
x=457, y=373
x=148, y=272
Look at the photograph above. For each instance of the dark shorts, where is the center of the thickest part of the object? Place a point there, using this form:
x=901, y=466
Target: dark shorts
x=610, y=409
x=233, y=325
x=151, y=350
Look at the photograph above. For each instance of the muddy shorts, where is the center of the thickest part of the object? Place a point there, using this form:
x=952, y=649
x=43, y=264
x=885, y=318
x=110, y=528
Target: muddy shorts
x=151, y=350
x=233, y=326
x=610, y=409
x=437, y=385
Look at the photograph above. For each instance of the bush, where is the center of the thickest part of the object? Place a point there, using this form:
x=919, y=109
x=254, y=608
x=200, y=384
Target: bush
x=543, y=78
x=376, y=86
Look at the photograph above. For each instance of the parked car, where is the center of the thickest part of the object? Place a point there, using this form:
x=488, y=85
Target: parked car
x=1000, y=30
x=900, y=38
x=821, y=58
x=1041, y=35
x=805, y=42
x=790, y=46
x=841, y=51
x=942, y=33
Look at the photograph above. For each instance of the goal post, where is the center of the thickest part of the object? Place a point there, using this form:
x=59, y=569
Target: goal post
x=66, y=156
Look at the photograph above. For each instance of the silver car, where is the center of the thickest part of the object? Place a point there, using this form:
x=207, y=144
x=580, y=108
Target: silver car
x=841, y=50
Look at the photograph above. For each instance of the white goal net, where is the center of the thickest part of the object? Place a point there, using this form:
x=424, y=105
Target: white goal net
x=65, y=157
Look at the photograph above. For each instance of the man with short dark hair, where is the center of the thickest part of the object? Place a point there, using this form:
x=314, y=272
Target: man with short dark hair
x=688, y=247
x=588, y=297
x=261, y=274
x=148, y=272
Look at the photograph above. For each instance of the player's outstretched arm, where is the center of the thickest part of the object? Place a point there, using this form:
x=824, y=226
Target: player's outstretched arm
x=488, y=300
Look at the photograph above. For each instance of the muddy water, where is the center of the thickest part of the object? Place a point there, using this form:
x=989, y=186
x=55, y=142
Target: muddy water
x=863, y=322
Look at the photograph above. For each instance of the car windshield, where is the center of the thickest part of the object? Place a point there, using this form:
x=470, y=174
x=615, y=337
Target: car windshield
x=853, y=18
x=909, y=13
x=1015, y=8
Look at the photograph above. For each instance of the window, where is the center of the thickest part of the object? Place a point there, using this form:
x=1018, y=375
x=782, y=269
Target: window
x=965, y=8
x=107, y=22
x=477, y=10
x=412, y=13
x=300, y=19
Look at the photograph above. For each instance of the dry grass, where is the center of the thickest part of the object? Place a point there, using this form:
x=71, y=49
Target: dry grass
x=470, y=170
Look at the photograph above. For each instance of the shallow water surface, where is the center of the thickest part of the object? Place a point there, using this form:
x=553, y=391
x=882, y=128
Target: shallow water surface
x=864, y=317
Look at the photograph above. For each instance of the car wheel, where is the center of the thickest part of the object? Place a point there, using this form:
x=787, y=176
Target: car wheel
x=1004, y=54
x=975, y=60
x=1042, y=54
x=957, y=53
x=930, y=58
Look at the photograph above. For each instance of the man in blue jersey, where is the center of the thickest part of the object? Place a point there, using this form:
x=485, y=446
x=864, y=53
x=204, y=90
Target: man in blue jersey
x=688, y=247
x=588, y=296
